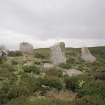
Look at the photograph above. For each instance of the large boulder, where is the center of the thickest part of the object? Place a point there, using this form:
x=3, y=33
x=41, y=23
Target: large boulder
x=87, y=56
x=26, y=48
x=58, y=54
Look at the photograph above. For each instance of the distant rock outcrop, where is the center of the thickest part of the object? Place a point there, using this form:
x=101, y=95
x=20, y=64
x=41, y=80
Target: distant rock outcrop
x=26, y=48
x=87, y=56
x=58, y=54
x=3, y=52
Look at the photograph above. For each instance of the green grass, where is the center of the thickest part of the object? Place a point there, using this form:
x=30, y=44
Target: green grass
x=37, y=101
x=18, y=84
x=43, y=53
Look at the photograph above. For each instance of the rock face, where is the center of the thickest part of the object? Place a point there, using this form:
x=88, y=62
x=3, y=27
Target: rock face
x=26, y=48
x=58, y=54
x=87, y=56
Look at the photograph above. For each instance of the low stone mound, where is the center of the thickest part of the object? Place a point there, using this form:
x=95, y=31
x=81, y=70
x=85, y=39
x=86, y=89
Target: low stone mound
x=47, y=66
x=72, y=72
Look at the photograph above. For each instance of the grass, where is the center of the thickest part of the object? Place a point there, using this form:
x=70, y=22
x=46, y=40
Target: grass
x=37, y=101
x=25, y=85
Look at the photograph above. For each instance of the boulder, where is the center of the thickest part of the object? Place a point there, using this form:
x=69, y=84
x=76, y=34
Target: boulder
x=26, y=48
x=72, y=72
x=87, y=56
x=58, y=54
x=3, y=52
x=47, y=66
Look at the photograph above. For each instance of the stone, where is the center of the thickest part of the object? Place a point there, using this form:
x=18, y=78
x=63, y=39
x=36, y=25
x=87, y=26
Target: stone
x=48, y=66
x=28, y=63
x=72, y=72
x=3, y=52
x=87, y=56
x=58, y=54
x=26, y=48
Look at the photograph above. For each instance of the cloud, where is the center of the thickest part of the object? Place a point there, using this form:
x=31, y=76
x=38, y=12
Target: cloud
x=43, y=20
x=12, y=41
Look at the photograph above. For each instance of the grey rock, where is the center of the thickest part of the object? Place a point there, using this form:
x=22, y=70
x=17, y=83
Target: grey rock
x=3, y=52
x=87, y=56
x=48, y=66
x=58, y=54
x=26, y=48
x=72, y=72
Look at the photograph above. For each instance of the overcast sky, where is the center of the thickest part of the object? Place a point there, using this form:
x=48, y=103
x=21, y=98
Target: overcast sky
x=43, y=22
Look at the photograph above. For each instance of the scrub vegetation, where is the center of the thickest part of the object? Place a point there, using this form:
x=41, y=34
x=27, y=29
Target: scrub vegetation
x=23, y=82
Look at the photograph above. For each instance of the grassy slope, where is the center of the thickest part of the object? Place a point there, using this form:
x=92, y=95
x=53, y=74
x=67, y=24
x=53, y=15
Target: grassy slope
x=73, y=56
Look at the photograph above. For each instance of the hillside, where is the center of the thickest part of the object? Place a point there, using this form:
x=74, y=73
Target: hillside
x=23, y=82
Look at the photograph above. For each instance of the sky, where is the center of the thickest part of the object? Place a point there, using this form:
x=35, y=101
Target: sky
x=45, y=22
